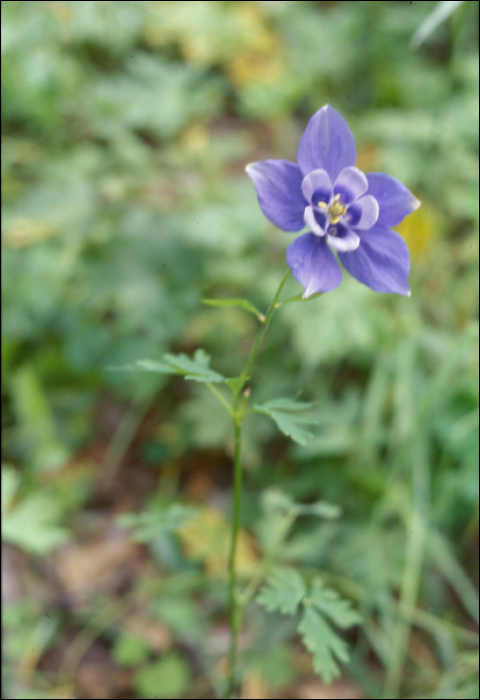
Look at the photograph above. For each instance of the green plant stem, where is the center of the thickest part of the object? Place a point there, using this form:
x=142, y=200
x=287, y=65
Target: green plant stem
x=234, y=615
x=238, y=413
x=263, y=329
x=220, y=397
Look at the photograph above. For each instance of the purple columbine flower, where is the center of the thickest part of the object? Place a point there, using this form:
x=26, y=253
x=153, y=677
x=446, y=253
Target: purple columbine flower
x=344, y=209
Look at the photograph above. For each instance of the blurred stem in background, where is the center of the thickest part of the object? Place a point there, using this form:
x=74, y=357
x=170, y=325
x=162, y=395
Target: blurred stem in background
x=418, y=525
x=238, y=413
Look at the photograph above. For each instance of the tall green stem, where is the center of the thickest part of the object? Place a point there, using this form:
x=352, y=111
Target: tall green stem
x=263, y=329
x=238, y=412
x=234, y=612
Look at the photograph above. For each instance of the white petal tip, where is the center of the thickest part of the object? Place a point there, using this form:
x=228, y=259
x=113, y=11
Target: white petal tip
x=408, y=294
x=416, y=204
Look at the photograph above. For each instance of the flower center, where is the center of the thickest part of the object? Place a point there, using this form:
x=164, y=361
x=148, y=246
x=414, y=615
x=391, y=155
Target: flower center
x=336, y=209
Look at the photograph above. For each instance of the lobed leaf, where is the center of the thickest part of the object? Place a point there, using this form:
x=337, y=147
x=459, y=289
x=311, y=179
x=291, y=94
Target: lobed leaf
x=283, y=591
x=153, y=522
x=328, y=602
x=196, y=369
x=150, y=366
x=32, y=522
x=285, y=413
x=323, y=643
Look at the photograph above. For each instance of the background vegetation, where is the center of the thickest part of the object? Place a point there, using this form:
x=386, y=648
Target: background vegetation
x=126, y=129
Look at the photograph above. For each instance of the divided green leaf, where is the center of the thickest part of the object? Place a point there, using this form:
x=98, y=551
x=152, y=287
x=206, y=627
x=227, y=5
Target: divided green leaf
x=323, y=643
x=283, y=591
x=151, y=366
x=328, y=602
x=243, y=303
x=196, y=369
x=151, y=523
x=287, y=414
x=32, y=522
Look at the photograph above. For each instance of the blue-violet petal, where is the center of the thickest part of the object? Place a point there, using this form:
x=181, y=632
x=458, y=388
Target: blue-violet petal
x=381, y=261
x=313, y=264
x=327, y=143
x=279, y=189
x=394, y=199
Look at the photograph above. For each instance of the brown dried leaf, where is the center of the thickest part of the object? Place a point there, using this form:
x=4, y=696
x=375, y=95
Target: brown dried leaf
x=339, y=690
x=98, y=679
x=99, y=566
x=156, y=635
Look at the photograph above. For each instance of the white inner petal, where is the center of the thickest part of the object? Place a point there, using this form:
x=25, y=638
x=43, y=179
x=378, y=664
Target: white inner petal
x=351, y=184
x=312, y=223
x=344, y=244
x=370, y=211
x=316, y=180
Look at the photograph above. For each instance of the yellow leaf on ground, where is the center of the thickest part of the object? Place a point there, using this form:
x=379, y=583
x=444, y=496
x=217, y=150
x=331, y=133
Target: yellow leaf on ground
x=195, y=139
x=254, y=687
x=259, y=60
x=22, y=232
x=207, y=537
x=419, y=230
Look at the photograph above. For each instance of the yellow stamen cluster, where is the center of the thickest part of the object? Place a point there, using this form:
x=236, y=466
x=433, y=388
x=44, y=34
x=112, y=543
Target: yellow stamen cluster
x=335, y=210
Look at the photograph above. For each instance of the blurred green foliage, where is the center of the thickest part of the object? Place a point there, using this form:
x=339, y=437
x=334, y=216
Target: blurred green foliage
x=126, y=127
